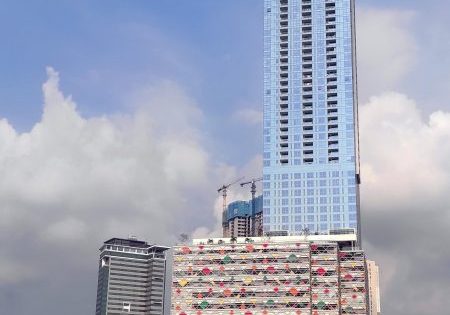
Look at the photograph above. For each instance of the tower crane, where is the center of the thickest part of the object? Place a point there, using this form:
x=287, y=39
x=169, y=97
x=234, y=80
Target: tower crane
x=224, y=190
x=252, y=184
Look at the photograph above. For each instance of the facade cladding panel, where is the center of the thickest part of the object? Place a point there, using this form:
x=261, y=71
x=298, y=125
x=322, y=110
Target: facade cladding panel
x=266, y=277
x=311, y=162
x=131, y=278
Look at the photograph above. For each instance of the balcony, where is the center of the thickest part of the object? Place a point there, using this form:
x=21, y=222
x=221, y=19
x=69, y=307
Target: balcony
x=333, y=127
x=332, y=143
x=333, y=159
x=331, y=96
x=332, y=111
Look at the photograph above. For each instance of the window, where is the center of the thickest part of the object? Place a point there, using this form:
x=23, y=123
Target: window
x=126, y=307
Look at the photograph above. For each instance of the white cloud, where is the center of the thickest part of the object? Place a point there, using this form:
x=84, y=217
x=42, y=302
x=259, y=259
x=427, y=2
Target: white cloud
x=71, y=182
x=386, y=49
x=248, y=116
x=403, y=156
x=405, y=201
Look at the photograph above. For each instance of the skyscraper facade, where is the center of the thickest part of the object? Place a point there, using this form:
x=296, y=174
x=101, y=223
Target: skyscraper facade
x=131, y=278
x=311, y=160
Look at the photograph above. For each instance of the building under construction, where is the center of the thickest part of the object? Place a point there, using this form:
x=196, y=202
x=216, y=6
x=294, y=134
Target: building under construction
x=316, y=274
x=243, y=218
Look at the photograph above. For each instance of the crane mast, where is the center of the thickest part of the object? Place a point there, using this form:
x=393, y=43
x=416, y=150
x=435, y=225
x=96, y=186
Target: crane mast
x=224, y=191
x=252, y=184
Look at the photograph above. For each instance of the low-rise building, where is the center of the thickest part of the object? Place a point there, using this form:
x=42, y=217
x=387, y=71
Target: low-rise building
x=316, y=274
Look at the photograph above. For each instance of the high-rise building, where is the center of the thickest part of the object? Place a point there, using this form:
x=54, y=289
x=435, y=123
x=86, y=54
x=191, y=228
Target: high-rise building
x=131, y=278
x=240, y=220
x=310, y=159
x=290, y=275
x=374, y=287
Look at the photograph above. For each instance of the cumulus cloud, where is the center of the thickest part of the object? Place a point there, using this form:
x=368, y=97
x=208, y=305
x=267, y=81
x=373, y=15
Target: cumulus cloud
x=386, y=49
x=248, y=116
x=405, y=202
x=71, y=182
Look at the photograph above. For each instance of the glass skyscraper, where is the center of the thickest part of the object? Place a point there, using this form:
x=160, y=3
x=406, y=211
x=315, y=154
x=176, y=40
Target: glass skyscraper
x=311, y=160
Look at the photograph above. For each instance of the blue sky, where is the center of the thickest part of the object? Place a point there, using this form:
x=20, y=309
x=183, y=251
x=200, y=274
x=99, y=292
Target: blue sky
x=109, y=50
x=168, y=98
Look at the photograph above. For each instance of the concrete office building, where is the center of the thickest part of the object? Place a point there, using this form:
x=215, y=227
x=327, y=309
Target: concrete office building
x=291, y=275
x=131, y=278
x=310, y=159
x=374, y=287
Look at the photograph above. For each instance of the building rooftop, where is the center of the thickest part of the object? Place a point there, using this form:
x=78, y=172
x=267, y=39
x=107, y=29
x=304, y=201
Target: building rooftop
x=344, y=239
x=131, y=242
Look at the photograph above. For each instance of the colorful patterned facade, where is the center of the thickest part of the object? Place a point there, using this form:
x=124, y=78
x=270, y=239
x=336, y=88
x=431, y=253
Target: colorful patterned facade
x=265, y=277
